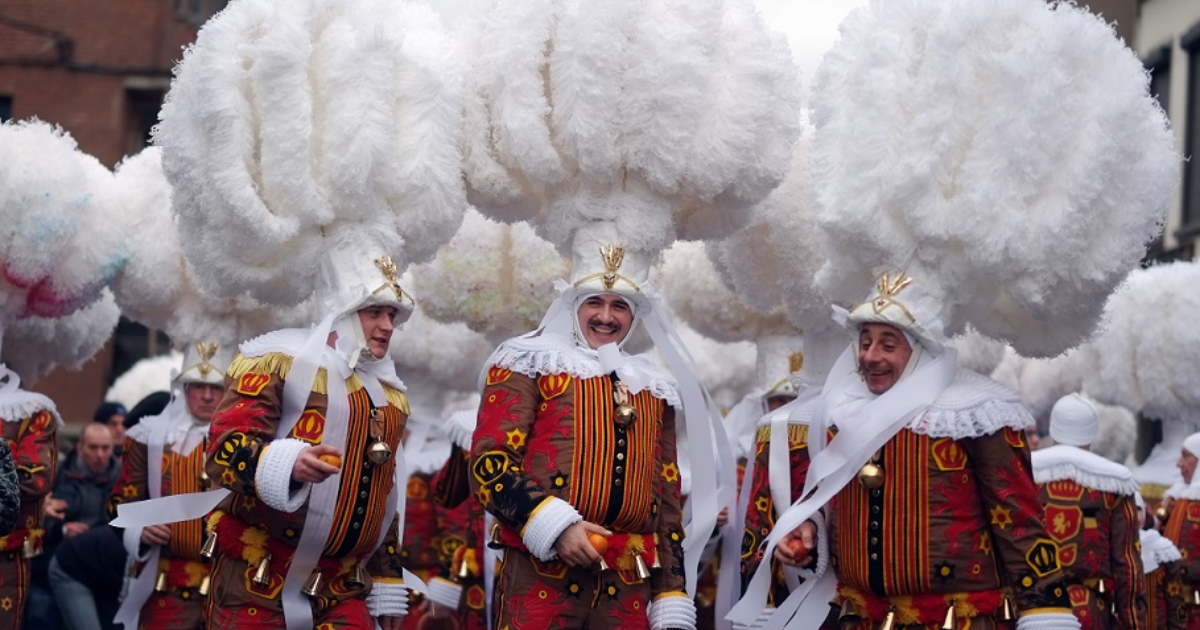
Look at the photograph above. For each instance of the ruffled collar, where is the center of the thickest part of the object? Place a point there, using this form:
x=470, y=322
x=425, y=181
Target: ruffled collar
x=1062, y=462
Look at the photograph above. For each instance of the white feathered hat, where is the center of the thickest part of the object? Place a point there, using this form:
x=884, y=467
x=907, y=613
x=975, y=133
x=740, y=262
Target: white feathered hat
x=947, y=132
x=354, y=112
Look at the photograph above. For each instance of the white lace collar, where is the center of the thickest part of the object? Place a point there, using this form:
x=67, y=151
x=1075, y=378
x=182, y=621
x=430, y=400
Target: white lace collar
x=545, y=354
x=1062, y=462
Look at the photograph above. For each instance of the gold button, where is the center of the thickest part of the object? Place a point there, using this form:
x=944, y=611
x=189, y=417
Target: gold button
x=874, y=540
x=874, y=524
x=620, y=456
x=874, y=556
x=616, y=482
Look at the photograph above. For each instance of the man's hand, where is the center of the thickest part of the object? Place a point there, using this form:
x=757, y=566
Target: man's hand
x=74, y=528
x=156, y=535
x=723, y=517
x=391, y=623
x=310, y=469
x=794, y=549
x=55, y=508
x=573, y=546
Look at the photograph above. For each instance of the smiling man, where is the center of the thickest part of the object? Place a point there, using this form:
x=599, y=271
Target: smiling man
x=1183, y=511
x=574, y=454
x=296, y=536
x=943, y=521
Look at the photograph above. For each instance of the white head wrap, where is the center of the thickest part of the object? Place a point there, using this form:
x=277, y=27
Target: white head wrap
x=1073, y=421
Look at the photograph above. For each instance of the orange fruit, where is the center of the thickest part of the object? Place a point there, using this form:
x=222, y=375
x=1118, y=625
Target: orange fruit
x=331, y=459
x=599, y=542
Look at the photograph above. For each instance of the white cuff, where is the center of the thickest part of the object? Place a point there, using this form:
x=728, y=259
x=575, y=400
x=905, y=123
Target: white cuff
x=817, y=571
x=758, y=623
x=273, y=479
x=547, y=522
x=671, y=613
x=388, y=599
x=1048, y=621
x=444, y=592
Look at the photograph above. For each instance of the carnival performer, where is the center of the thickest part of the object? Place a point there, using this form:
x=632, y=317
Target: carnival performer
x=167, y=452
x=1182, y=528
x=461, y=588
x=1091, y=513
x=1165, y=606
x=933, y=513
x=576, y=441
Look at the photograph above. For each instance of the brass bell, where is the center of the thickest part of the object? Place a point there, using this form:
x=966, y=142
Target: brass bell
x=871, y=475
x=1195, y=598
x=1007, y=613
x=464, y=569
x=643, y=571
x=656, y=564
x=203, y=479
x=851, y=614
x=209, y=548
x=357, y=577
x=1100, y=587
x=603, y=565
x=1160, y=512
x=312, y=586
x=626, y=414
x=889, y=622
x=494, y=538
x=29, y=551
x=262, y=573
x=951, y=622
x=204, y=586
x=160, y=585
x=379, y=453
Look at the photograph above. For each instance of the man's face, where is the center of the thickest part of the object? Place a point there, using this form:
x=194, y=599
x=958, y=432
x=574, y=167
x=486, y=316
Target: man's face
x=883, y=353
x=116, y=424
x=202, y=399
x=605, y=319
x=95, y=447
x=378, y=328
x=1187, y=465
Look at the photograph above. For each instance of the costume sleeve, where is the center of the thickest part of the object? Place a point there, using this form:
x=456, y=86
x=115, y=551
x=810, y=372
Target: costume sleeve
x=1026, y=557
x=670, y=580
x=1127, y=570
x=451, y=485
x=498, y=479
x=244, y=426
x=132, y=484
x=10, y=491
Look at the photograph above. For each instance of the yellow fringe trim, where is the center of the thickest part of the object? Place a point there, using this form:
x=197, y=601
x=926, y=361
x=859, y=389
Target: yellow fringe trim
x=281, y=364
x=797, y=433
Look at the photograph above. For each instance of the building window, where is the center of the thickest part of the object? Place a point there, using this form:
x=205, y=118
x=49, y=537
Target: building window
x=141, y=114
x=197, y=12
x=133, y=342
x=1190, y=41
x=5, y=108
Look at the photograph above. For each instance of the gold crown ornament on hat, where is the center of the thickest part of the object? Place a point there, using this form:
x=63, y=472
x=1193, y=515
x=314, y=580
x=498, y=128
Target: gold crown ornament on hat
x=206, y=362
x=612, y=255
x=911, y=314
x=388, y=268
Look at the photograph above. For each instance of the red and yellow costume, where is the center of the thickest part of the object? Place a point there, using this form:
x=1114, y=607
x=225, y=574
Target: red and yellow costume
x=552, y=439
x=1183, y=529
x=1096, y=531
x=252, y=534
x=462, y=542
x=761, y=511
x=179, y=605
x=31, y=440
x=956, y=522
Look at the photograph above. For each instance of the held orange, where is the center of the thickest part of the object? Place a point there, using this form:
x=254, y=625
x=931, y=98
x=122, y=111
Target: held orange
x=331, y=459
x=599, y=542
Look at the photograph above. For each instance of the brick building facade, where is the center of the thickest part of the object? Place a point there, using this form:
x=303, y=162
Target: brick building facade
x=99, y=70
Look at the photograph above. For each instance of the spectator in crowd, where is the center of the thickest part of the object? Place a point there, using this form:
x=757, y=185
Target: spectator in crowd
x=112, y=415
x=87, y=570
x=80, y=493
x=10, y=491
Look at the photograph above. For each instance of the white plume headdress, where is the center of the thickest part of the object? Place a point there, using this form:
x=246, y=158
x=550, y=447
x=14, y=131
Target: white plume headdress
x=925, y=163
x=59, y=251
x=625, y=126
x=1147, y=364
